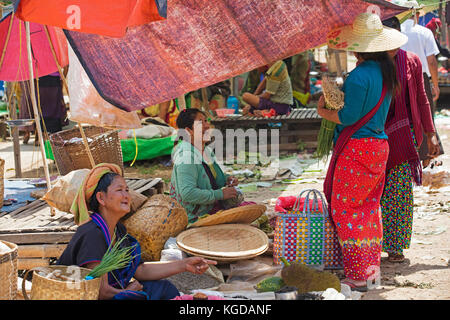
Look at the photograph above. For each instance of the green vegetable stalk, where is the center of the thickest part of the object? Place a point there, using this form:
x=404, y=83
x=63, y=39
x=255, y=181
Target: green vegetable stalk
x=325, y=139
x=114, y=258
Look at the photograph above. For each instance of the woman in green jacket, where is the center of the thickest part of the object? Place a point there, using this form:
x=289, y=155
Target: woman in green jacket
x=198, y=183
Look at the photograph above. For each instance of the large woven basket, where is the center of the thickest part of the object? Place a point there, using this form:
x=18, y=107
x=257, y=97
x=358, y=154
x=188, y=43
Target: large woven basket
x=70, y=152
x=43, y=288
x=241, y=215
x=2, y=181
x=8, y=272
x=159, y=218
x=224, y=242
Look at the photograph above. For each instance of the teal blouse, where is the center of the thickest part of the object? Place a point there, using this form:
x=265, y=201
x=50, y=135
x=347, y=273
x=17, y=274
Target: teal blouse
x=362, y=90
x=190, y=184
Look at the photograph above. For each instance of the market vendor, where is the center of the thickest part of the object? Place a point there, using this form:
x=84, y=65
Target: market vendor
x=273, y=92
x=101, y=202
x=198, y=183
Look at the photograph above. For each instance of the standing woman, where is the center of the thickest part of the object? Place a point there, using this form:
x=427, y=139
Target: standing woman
x=355, y=177
x=409, y=116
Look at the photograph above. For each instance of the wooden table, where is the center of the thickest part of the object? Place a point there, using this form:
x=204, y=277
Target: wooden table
x=299, y=128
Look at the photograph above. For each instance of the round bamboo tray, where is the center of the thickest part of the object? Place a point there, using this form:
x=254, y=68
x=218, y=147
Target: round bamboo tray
x=226, y=260
x=241, y=215
x=225, y=241
x=43, y=288
x=8, y=272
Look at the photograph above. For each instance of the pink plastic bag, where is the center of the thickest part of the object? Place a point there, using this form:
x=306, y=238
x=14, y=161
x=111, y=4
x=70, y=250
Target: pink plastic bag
x=285, y=204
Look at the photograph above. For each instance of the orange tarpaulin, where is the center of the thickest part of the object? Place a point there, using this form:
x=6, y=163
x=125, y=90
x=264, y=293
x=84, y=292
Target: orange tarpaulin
x=105, y=17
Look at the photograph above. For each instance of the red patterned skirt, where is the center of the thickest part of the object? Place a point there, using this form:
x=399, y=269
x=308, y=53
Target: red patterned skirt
x=357, y=188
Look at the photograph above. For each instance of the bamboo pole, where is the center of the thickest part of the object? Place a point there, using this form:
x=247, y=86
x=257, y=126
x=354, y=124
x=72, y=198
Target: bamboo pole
x=12, y=109
x=15, y=132
x=61, y=73
x=34, y=103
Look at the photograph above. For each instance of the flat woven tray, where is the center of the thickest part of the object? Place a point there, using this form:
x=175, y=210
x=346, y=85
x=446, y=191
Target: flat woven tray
x=242, y=215
x=224, y=241
x=222, y=259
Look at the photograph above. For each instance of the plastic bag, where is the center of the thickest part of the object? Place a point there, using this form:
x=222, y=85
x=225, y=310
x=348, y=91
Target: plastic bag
x=252, y=271
x=87, y=106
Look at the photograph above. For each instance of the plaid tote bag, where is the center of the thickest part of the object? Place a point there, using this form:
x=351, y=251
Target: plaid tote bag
x=306, y=234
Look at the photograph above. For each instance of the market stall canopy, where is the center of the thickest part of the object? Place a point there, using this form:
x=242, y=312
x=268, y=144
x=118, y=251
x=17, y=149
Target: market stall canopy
x=205, y=42
x=427, y=6
x=105, y=17
x=13, y=48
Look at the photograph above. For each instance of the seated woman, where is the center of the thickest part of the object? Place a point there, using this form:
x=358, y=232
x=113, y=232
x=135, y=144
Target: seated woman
x=277, y=93
x=105, y=193
x=198, y=183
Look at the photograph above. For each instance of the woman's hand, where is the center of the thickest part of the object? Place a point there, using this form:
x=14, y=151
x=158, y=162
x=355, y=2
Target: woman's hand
x=321, y=105
x=229, y=192
x=134, y=286
x=433, y=145
x=232, y=181
x=197, y=265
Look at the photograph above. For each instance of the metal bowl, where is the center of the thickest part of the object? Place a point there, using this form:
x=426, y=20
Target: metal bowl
x=286, y=293
x=20, y=122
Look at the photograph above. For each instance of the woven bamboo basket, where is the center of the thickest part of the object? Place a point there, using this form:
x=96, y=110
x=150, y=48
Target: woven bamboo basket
x=43, y=288
x=224, y=242
x=2, y=181
x=70, y=152
x=8, y=272
x=159, y=218
x=241, y=215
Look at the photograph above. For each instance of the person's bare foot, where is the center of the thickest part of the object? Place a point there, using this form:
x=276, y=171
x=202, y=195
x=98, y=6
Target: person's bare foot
x=26, y=137
x=355, y=285
x=425, y=163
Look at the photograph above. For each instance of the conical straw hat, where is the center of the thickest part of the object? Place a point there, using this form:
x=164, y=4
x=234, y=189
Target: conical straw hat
x=366, y=34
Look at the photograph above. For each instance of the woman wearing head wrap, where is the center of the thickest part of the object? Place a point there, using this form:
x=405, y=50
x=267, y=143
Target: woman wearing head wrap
x=101, y=202
x=355, y=177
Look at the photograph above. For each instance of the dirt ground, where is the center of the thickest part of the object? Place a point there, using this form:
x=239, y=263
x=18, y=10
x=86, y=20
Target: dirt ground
x=424, y=275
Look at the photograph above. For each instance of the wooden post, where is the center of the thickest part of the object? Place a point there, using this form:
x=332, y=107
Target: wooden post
x=61, y=73
x=181, y=103
x=15, y=132
x=205, y=102
x=34, y=103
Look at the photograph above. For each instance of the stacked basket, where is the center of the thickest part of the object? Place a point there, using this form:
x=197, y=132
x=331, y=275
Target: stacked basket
x=8, y=271
x=70, y=152
x=226, y=236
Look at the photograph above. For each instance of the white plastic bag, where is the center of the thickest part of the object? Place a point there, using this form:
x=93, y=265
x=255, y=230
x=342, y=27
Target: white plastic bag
x=87, y=106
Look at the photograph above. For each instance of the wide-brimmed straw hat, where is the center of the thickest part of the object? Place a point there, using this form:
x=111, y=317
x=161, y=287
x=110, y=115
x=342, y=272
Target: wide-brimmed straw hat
x=366, y=34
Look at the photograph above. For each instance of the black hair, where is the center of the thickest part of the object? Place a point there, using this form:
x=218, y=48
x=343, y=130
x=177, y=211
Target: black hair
x=393, y=23
x=103, y=184
x=388, y=69
x=187, y=117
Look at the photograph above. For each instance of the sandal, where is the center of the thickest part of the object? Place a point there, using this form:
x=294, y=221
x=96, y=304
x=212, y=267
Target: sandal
x=354, y=287
x=396, y=258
